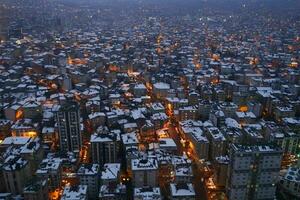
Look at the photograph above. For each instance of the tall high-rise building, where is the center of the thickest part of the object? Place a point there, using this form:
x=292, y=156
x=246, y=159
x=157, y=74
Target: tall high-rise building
x=105, y=146
x=68, y=124
x=253, y=172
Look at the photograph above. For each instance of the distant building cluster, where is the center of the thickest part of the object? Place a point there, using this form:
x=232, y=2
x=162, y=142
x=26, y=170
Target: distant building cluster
x=147, y=105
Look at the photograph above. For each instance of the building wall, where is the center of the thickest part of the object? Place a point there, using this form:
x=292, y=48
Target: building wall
x=160, y=93
x=92, y=182
x=15, y=180
x=10, y=114
x=145, y=178
x=41, y=194
x=187, y=114
x=220, y=176
x=184, y=179
x=138, y=92
x=32, y=112
x=105, y=152
x=34, y=159
x=53, y=177
x=253, y=174
x=217, y=148
x=202, y=149
x=69, y=130
x=293, y=187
